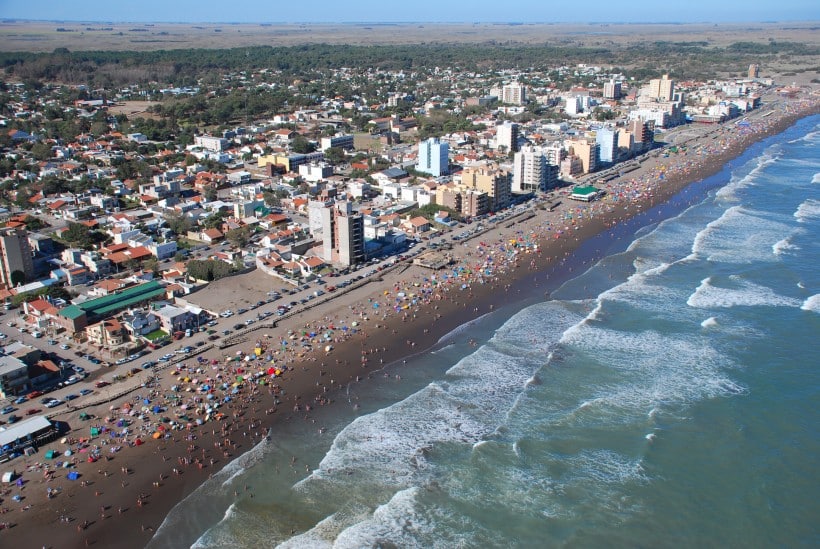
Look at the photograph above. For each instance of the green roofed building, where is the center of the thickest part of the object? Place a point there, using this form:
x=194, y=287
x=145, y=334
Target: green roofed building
x=76, y=317
x=586, y=194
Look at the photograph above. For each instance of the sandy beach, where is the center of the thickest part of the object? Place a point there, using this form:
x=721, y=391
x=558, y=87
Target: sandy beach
x=174, y=427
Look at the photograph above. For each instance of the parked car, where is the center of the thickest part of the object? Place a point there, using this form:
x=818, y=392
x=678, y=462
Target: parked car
x=71, y=396
x=65, y=346
x=20, y=400
x=7, y=410
x=84, y=392
x=13, y=419
x=53, y=403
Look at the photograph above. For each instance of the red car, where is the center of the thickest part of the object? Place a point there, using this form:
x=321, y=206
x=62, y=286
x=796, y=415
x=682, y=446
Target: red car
x=35, y=394
x=32, y=411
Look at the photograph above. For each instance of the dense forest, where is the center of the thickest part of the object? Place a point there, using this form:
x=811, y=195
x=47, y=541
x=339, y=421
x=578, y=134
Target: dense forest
x=185, y=66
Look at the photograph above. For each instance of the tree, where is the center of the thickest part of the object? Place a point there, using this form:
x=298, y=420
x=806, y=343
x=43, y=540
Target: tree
x=179, y=223
x=239, y=237
x=209, y=192
x=335, y=155
x=18, y=277
x=301, y=145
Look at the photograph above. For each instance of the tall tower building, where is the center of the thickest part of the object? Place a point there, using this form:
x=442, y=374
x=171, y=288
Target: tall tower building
x=342, y=234
x=433, y=157
x=754, y=71
x=607, y=140
x=514, y=94
x=662, y=88
x=15, y=257
x=532, y=171
x=506, y=135
x=612, y=90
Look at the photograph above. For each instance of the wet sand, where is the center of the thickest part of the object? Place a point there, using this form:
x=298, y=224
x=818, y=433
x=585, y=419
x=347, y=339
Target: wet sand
x=122, y=498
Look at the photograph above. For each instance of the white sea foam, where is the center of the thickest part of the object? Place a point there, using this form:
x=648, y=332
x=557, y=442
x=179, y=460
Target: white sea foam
x=812, y=304
x=784, y=246
x=649, y=371
x=740, y=235
x=816, y=178
x=709, y=322
x=808, y=210
x=769, y=157
x=650, y=437
x=738, y=293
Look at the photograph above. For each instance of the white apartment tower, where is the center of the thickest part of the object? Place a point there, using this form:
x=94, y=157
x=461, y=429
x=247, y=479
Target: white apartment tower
x=506, y=135
x=532, y=172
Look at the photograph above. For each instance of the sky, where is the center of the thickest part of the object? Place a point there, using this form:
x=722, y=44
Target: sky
x=432, y=11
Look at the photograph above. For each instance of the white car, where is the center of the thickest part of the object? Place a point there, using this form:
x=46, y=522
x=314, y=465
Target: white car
x=65, y=347
x=53, y=403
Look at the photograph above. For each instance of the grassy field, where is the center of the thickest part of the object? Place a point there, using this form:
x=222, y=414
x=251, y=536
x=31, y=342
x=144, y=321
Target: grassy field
x=45, y=36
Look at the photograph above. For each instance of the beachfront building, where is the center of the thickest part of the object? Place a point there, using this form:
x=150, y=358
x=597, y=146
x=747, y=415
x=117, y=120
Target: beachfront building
x=492, y=181
x=586, y=151
x=433, y=157
x=16, y=263
x=341, y=231
x=586, y=194
x=13, y=376
x=607, y=141
x=534, y=169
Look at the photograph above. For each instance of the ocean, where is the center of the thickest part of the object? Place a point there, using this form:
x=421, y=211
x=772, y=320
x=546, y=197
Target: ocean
x=667, y=396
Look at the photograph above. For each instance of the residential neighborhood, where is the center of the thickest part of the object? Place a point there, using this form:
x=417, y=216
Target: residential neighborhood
x=115, y=226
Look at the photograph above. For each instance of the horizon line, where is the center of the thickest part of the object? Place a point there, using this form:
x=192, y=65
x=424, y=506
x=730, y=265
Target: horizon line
x=513, y=23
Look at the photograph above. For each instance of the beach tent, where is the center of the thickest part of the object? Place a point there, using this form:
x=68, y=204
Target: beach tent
x=8, y=476
x=95, y=431
x=51, y=454
x=73, y=475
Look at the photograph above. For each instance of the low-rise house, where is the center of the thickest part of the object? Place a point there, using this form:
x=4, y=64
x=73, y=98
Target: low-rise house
x=106, y=334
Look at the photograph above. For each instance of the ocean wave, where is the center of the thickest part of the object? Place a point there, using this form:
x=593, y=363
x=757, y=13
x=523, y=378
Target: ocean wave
x=740, y=235
x=741, y=293
x=767, y=158
x=812, y=304
x=816, y=178
x=709, y=322
x=808, y=210
x=643, y=371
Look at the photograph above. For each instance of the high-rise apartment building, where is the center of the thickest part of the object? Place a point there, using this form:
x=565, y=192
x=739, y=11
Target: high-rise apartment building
x=586, y=152
x=612, y=90
x=506, y=136
x=607, y=140
x=514, y=94
x=662, y=88
x=533, y=170
x=342, y=234
x=490, y=180
x=433, y=157
x=15, y=257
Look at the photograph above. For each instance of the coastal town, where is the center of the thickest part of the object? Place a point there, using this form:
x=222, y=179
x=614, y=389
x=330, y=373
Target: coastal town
x=171, y=260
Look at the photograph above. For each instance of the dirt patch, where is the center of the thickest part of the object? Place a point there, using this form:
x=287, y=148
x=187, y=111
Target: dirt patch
x=133, y=109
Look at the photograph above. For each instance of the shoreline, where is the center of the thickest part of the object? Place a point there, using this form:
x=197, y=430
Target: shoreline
x=166, y=470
